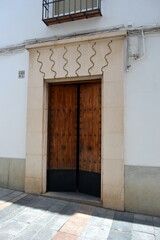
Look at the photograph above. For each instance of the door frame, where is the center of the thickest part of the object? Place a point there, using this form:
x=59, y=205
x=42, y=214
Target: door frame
x=79, y=58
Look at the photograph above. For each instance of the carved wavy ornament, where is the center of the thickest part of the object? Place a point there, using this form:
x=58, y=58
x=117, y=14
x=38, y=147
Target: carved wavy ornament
x=41, y=64
x=105, y=57
x=77, y=60
x=94, y=54
x=55, y=73
x=66, y=61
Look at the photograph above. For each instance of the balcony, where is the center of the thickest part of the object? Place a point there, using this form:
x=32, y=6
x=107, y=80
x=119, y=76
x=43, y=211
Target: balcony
x=59, y=11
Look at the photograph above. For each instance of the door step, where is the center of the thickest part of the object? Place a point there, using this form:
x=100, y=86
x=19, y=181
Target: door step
x=75, y=197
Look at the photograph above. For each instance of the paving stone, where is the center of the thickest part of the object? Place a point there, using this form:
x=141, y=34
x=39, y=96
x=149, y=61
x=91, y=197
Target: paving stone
x=2, y=195
x=122, y=226
x=100, y=222
x=103, y=233
x=102, y=212
x=70, y=208
x=45, y=218
x=156, y=221
x=27, y=216
x=6, y=236
x=12, y=227
x=73, y=228
x=80, y=217
x=96, y=221
x=29, y=232
x=86, y=209
x=61, y=202
x=139, y=227
x=101, y=217
x=157, y=234
x=7, y=198
x=116, y=235
x=90, y=232
x=46, y=200
x=45, y=234
x=109, y=213
x=142, y=236
x=24, y=202
x=11, y=215
x=15, y=194
x=36, y=210
x=43, y=204
x=124, y=216
x=2, y=202
x=34, y=202
x=85, y=238
x=64, y=236
x=30, y=197
x=107, y=222
x=57, y=223
x=57, y=207
x=8, y=210
x=49, y=201
x=5, y=192
x=143, y=218
x=75, y=224
x=27, y=200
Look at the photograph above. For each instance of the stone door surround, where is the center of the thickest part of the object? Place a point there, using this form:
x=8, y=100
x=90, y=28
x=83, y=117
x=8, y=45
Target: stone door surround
x=97, y=56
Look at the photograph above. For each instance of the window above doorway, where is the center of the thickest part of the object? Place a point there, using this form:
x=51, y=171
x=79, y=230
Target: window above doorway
x=59, y=11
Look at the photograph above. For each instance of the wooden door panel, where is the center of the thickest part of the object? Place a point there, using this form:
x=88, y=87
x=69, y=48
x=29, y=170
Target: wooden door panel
x=62, y=151
x=90, y=138
x=90, y=128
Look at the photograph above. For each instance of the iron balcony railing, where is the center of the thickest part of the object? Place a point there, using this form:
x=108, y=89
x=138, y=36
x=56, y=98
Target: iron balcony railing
x=63, y=10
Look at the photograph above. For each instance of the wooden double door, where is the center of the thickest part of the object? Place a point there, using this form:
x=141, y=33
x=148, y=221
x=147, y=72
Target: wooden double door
x=74, y=138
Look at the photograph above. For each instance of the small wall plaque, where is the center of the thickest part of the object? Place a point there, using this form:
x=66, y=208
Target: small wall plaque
x=21, y=74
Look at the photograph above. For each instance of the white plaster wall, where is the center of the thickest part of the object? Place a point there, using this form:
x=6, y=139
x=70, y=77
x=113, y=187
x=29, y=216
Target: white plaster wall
x=142, y=108
x=22, y=19
x=13, y=105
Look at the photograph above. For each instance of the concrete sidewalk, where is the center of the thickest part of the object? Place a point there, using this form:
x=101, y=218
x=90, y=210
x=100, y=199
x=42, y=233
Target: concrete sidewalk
x=26, y=217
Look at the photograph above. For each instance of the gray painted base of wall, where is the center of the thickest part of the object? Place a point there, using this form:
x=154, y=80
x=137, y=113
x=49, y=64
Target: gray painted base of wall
x=142, y=184
x=142, y=190
x=12, y=173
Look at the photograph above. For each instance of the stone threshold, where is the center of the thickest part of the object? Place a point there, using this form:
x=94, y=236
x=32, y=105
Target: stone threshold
x=75, y=197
